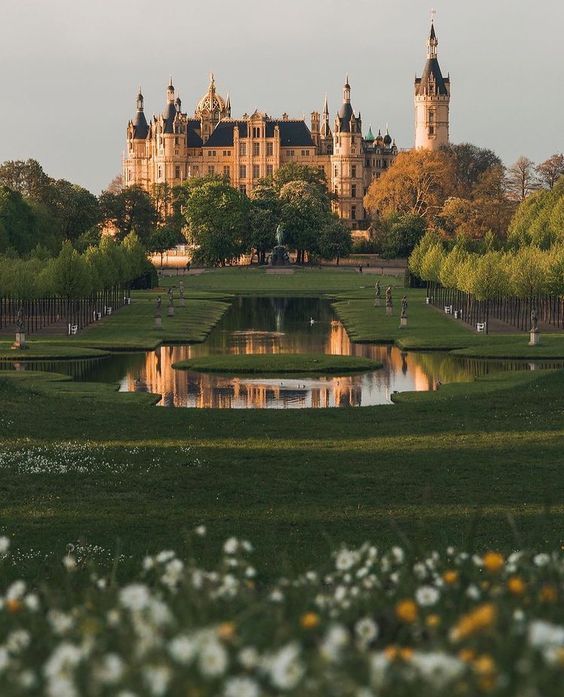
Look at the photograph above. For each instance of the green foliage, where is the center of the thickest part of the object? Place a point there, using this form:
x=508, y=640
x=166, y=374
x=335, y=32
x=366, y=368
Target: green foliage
x=18, y=224
x=68, y=274
x=129, y=210
x=294, y=172
x=304, y=214
x=335, y=239
x=539, y=219
x=218, y=221
x=397, y=235
x=265, y=216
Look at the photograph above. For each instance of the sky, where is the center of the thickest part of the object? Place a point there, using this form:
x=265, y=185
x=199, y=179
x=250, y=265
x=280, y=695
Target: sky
x=70, y=69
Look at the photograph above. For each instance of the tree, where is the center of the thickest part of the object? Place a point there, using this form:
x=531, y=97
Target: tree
x=294, y=172
x=417, y=183
x=521, y=179
x=335, y=239
x=470, y=165
x=18, y=224
x=265, y=215
x=218, y=221
x=77, y=210
x=539, y=219
x=550, y=171
x=397, y=235
x=130, y=210
x=304, y=214
x=162, y=239
x=27, y=178
x=69, y=274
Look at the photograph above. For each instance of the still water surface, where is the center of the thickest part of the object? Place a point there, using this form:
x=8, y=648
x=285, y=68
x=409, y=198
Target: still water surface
x=278, y=325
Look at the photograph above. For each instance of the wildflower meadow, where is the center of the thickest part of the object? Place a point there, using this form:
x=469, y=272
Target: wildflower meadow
x=370, y=623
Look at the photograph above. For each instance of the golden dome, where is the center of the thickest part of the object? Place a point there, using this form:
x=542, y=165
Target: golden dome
x=211, y=101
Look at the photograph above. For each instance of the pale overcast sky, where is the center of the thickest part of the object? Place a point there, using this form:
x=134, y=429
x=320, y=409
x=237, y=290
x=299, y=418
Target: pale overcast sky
x=69, y=69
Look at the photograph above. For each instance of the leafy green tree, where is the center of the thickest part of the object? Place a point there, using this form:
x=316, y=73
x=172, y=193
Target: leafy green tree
x=27, y=178
x=217, y=217
x=130, y=210
x=304, y=215
x=265, y=215
x=429, y=239
x=77, y=210
x=397, y=235
x=294, y=172
x=335, y=239
x=69, y=275
x=18, y=224
x=164, y=238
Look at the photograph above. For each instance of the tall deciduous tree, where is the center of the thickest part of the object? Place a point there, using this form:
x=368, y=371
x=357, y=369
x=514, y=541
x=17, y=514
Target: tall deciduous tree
x=418, y=183
x=218, y=221
x=131, y=210
x=521, y=179
x=265, y=216
x=335, y=239
x=470, y=165
x=304, y=214
x=550, y=171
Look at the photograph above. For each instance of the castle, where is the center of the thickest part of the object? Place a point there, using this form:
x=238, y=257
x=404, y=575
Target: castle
x=173, y=146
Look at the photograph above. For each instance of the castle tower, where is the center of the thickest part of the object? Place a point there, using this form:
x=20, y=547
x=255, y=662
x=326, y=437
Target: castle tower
x=211, y=109
x=432, y=100
x=347, y=162
x=135, y=163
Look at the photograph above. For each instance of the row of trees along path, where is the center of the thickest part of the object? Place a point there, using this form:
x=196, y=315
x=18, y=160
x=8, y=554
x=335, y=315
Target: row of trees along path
x=73, y=289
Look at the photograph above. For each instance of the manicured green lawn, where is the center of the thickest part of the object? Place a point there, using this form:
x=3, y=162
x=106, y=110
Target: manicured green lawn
x=261, y=363
x=476, y=464
x=41, y=350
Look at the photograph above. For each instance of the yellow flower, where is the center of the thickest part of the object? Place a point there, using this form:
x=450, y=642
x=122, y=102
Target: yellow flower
x=466, y=655
x=477, y=620
x=450, y=577
x=13, y=605
x=309, y=620
x=226, y=631
x=484, y=666
x=406, y=611
x=493, y=562
x=433, y=621
x=398, y=653
x=548, y=593
x=516, y=585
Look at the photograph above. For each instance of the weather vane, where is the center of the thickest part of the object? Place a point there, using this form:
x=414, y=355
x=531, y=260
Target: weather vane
x=433, y=15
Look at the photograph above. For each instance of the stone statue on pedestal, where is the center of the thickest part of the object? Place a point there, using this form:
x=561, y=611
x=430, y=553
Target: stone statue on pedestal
x=403, y=314
x=280, y=256
x=389, y=301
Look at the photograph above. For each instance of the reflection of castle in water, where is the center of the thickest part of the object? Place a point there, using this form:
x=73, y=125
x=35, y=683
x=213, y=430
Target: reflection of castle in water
x=401, y=372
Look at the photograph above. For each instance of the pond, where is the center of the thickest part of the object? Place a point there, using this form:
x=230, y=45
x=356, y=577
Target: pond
x=278, y=325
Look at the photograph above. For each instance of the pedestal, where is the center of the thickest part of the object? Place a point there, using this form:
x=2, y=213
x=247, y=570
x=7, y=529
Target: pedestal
x=403, y=322
x=158, y=322
x=389, y=310
x=170, y=311
x=534, y=338
x=377, y=302
x=182, y=302
x=20, y=342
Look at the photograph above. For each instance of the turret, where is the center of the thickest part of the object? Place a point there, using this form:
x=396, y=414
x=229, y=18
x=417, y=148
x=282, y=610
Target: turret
x=432, y=101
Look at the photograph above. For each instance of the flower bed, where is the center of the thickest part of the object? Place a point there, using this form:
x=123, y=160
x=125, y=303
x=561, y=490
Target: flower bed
x=372, y=624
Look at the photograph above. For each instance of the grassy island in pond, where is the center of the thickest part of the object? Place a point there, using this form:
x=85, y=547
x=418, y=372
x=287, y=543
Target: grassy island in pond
x=263, y=364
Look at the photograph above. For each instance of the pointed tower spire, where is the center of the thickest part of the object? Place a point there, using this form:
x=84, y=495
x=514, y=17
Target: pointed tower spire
x=140, y=125
x=170, y=91
x=326, y=106
x=347, y=91
x=432, y=43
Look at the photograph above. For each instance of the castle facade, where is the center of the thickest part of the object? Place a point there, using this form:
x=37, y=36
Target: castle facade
x=173, y=146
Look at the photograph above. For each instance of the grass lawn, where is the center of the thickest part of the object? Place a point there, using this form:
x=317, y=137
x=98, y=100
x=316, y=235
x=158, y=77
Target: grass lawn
x=41, y=350
x=261, y=363
x=478, y=464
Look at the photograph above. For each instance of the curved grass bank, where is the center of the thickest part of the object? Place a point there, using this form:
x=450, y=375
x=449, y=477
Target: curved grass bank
x=39, y=351
x=255, y=364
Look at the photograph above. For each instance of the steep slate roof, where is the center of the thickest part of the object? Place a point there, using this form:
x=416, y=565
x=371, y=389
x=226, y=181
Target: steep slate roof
x=193, y=139
x=431, y=70
x=292, y=133
x=140, y=126
x=169, y=114
x=345, y=115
